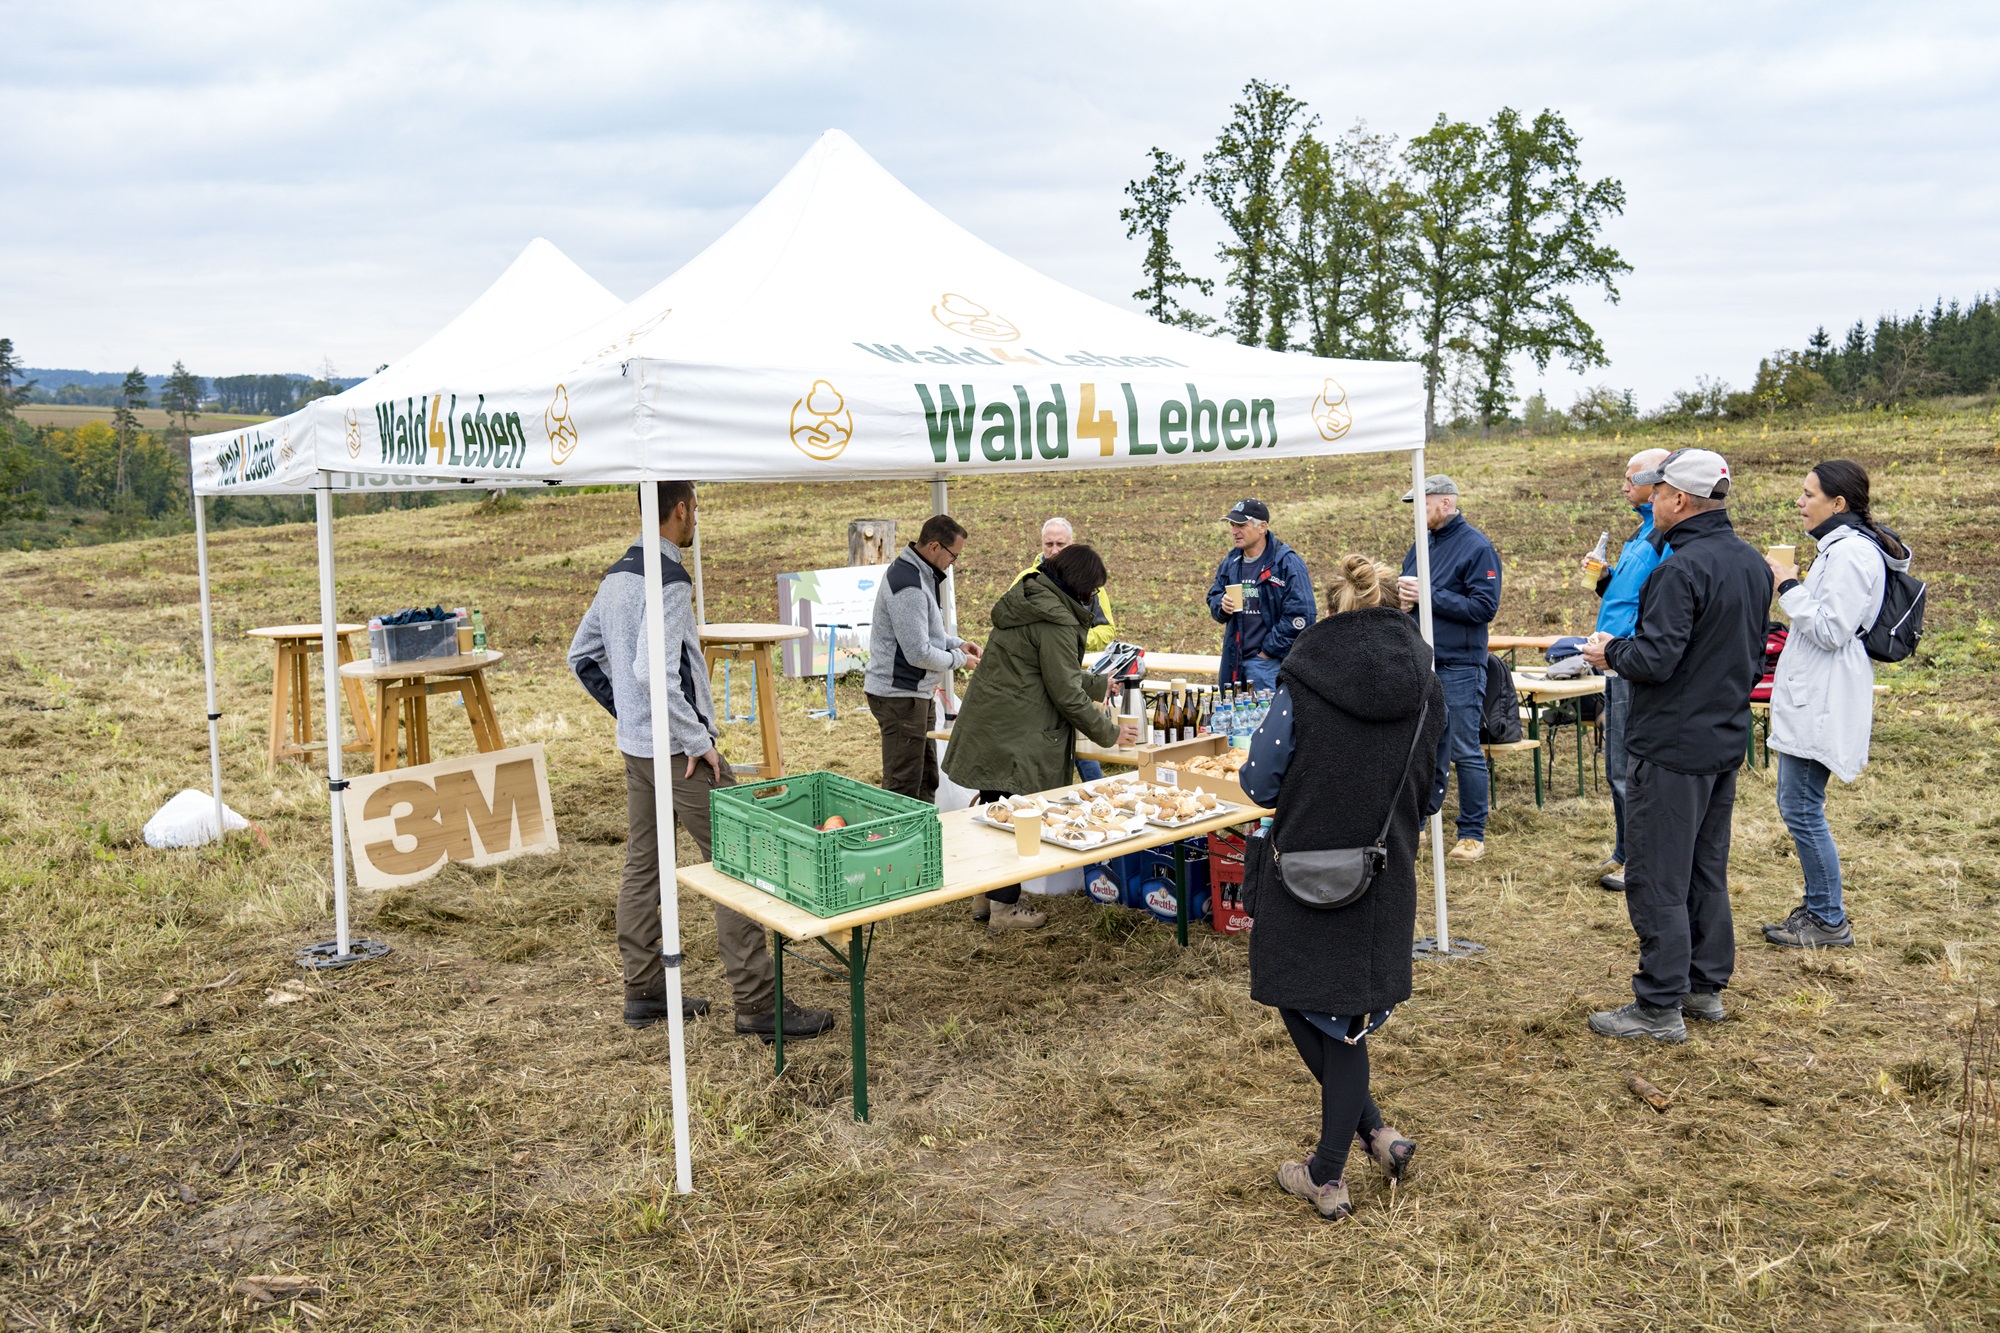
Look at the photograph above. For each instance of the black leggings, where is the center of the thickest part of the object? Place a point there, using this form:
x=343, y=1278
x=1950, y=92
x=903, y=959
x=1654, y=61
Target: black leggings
x=1012, y=893
x=1345, y=1107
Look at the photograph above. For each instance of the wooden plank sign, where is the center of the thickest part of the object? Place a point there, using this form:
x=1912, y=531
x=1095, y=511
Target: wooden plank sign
x=403, y=825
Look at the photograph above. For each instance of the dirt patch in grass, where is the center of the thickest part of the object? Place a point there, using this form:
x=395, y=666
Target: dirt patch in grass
x=1076, y=1128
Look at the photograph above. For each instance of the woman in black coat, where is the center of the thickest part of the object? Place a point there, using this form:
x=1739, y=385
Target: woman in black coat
x=1348, y=743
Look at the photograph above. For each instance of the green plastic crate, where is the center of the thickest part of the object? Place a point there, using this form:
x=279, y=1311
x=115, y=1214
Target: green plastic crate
x=767, y=834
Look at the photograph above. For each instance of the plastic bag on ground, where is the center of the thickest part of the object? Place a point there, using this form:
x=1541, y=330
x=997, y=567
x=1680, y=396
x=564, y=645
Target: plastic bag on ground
x=189, y=821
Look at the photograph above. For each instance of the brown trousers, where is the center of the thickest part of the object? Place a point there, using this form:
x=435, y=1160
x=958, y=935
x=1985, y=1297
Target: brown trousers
x=909, y=761
x=746, y=960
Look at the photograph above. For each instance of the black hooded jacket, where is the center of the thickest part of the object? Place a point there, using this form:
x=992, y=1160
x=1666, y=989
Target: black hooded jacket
x=1357, y=683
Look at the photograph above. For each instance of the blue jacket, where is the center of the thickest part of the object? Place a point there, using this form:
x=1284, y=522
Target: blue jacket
x=1465, y=591
x=1269, y=622
x=1620, y=584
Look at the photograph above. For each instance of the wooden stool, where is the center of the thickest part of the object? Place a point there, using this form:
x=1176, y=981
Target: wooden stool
x=292, y=691
x=402, y=703
x=752, y=644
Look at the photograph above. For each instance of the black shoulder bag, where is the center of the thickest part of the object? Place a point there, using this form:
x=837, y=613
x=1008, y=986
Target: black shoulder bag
x=1339, y=876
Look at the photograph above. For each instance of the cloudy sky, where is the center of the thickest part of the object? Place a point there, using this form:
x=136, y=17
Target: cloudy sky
x=253, y=187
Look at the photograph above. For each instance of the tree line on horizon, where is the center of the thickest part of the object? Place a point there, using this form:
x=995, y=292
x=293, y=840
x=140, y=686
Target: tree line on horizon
x=1462, y=249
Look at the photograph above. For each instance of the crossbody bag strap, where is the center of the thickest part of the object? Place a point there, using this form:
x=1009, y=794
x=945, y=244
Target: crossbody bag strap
x=1423, y=714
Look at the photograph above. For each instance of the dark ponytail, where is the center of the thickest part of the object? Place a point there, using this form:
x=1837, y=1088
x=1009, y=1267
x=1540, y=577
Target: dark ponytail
x=1848, y=480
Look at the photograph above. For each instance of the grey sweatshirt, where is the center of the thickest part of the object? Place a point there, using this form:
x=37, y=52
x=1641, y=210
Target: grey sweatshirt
x=909, y=652
x=608, y=655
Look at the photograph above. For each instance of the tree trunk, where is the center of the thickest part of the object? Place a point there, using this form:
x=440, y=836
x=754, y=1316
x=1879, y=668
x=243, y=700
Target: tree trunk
x=871, y=541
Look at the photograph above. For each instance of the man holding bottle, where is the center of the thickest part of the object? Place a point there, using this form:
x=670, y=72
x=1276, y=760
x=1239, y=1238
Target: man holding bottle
x=1618, y=617
x=1262, y=596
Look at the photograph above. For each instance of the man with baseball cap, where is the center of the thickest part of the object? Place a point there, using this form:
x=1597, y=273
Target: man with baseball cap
x=1465, y=596
x=1262, y=596
x=1692, y=658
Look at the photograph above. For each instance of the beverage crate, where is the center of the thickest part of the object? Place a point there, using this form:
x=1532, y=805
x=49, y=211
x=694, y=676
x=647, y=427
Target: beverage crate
x=767, y=834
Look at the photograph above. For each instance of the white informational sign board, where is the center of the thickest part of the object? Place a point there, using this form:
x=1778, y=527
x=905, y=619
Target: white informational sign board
x=822, y=597
x=403, y=825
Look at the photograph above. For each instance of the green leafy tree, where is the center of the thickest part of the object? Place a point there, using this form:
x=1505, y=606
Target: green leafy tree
x=181, y=397
x=1447, y=252
x=1338, y=270
x=132, y=395
x=1155, y=198
x=1241, y=177
x=1544, y=219
x=12, y=395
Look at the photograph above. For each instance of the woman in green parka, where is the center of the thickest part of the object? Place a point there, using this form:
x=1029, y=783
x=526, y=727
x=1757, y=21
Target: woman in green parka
x=1017, y=725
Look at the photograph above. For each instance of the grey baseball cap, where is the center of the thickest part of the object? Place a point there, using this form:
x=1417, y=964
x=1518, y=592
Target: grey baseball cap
x=1435, y=484
x=1701, y=472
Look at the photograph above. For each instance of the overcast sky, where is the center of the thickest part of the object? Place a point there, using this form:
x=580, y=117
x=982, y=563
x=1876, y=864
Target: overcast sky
x=258, y=187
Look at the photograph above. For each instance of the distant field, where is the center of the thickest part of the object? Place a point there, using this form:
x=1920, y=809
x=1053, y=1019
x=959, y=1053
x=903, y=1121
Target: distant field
x=69, y=417
x=1074, y=1129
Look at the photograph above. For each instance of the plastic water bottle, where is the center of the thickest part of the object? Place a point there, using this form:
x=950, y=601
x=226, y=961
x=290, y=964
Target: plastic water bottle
x=1225, y=721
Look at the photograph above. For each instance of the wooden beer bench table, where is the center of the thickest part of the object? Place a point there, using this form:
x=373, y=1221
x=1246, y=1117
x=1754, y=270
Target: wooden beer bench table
x=292, y=689
x=402, y=701
x=752, y=644
x=1537, y=692
x=976, y=859
x=1510, y=644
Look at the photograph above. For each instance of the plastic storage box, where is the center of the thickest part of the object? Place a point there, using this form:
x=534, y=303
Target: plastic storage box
x=415, y=641
x=767, y=834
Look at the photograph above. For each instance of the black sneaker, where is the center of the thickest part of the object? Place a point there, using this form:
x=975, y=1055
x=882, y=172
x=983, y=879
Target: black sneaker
x=799, y=1023
x=1803, y=930
x=645, y=1013
x=1641, y=1020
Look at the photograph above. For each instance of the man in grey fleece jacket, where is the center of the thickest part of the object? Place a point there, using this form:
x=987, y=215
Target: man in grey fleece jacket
x=910, y=654
x=609, y=657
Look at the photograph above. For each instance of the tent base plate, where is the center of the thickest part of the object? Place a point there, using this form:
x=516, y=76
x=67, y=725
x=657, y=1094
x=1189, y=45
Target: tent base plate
x=1427, y=947
x=327, y=953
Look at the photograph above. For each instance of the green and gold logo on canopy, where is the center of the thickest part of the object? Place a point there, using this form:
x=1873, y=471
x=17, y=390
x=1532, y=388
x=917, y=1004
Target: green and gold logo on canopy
x=821, y=423
x=1330, y=411
x=562, y=431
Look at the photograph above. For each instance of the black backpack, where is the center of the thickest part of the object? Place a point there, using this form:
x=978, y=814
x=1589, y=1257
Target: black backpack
x=1896, y=630
x=1500, y=718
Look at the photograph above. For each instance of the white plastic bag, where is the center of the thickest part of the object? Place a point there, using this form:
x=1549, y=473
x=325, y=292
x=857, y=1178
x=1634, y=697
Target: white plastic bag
x=189, y=821
x=950, y=796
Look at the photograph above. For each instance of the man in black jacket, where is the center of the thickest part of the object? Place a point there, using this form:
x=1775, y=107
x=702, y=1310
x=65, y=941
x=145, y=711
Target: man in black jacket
x=1692, y=660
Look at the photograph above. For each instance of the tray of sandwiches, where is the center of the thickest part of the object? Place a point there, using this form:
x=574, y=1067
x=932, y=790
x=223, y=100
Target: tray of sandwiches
x=1167, y=807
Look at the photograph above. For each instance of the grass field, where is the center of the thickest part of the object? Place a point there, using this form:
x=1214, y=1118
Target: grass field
x=1075, y=1128
x=69, y=416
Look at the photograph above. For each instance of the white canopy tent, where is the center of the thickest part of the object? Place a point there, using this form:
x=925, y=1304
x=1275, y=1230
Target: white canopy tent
x=843, y=330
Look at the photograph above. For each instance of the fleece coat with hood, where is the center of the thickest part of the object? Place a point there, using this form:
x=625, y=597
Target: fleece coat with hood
x=1017, y=725
x=1357, y=682
x=1823, y=700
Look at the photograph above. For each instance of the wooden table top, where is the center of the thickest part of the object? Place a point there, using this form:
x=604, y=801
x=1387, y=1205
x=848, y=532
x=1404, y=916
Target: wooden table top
x=1501, y=643
x=976, y=858
x=300, y=631
x=748, y=633
x=458, y=664
x=1552, y=689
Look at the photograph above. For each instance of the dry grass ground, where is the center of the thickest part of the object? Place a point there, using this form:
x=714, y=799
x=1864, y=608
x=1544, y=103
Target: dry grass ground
x=1073, y=1129
x=71, y=415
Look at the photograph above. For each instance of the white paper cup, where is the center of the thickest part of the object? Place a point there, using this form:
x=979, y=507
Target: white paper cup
x=1027, y=832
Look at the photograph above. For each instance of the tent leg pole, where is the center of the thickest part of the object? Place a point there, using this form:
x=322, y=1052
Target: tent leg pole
x=336, y=784
x=941, y=504
x=208, y=659
x=663, y=827
x=1442, y=935
x=700, y=599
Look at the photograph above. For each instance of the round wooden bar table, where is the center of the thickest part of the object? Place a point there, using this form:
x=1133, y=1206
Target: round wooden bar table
x=292, y=689
x=402, y=702
x=738, y=642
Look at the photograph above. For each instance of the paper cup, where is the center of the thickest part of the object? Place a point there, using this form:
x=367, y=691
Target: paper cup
x=1027, y=832
x=1784, y=555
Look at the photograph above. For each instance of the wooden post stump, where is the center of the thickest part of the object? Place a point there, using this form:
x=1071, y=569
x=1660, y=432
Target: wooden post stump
x=871, y=541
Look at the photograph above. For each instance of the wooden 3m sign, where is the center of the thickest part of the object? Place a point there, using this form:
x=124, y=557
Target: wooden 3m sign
x=403, y=825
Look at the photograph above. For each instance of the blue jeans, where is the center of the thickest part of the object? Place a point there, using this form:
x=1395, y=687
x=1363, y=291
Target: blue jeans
x=1617, y=707
x=1465, y=701
x=1089, y=770
x=1802, y=805
x=1261, y=671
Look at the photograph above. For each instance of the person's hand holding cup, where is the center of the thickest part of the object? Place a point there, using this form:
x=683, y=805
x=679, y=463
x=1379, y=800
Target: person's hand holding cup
x=1784, y=563
x=1128, y=732
x=1593, y=649
x=1406, y=591
x=1232, y=598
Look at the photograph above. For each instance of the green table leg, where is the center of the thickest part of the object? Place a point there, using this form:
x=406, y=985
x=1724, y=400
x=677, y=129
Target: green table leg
x=1181, y=891
x=778, y=988
x=1535, y=734
x=857, y=1004
x=1579, y=745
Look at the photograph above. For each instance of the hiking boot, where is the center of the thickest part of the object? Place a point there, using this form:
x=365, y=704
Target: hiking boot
x=1803, y=930
x=1330, y=1199
x=1466, y=849
x=645, y=1013
x=1391, y=1151
x=1641, y=1020
x=1613, y=882
x=1708, y=1008
x=982, y=907
x=799, y=1023
x=1013, y=916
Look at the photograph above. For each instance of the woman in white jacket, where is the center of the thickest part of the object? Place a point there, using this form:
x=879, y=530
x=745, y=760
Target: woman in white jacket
x=1823, y=700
